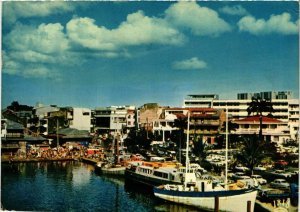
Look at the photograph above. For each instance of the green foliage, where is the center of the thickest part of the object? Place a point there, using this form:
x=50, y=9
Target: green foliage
x=138, y=139
x=15, y=106
x=253, y=151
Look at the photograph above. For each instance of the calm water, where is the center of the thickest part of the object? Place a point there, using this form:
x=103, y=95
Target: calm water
x=73, y=186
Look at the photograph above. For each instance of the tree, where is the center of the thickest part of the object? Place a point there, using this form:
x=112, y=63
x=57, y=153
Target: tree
x=181, y=124
x=232, y=138
x=252, y=152
x=258, y=106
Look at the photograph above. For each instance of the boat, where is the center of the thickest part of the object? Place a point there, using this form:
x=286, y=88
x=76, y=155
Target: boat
x=113, y=165
x=156, y=173
x=110, y=169
x=206, y=194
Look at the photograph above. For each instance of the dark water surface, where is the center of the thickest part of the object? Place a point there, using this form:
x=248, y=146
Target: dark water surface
x=73, y=186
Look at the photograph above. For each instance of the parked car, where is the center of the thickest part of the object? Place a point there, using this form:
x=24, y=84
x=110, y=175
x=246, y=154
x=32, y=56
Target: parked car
x=281, y=163
x=238, y=175
x=241, y=168
x=259, y=179
x=271, y=194
x=280, y=183
x=281, y=173
x=259, y=168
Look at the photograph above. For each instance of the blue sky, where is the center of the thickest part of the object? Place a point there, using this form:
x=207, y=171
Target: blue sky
x=91, y=54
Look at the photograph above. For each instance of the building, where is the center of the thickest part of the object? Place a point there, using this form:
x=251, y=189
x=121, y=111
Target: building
x=113, y=118
x=69, y=117
x=272, y=129
x=270, y=95
x=148, y=114
x=205, y=123
x=285, y=108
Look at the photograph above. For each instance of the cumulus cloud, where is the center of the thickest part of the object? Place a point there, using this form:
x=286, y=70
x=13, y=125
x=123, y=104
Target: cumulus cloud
x=12, y=11
x=234, y=10
x=46, y=38
x=189, y=64
x=12, y=66
x=43, y=50
x=138, y=29
x=280, y=24
x=200, y=20
x=34, y=51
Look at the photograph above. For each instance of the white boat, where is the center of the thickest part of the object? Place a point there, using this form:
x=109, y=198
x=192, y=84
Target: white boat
x=206, y=194
x=157, y=173
x=112, y=169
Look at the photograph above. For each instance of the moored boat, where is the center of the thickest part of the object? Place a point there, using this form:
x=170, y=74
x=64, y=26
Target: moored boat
x=111, y=169
x=206, y=194
x=157, y=173
x=203, y=194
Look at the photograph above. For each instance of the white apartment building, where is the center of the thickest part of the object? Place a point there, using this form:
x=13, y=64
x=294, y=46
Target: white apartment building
x=113, y=118
x=80, y=118
x=285, y=108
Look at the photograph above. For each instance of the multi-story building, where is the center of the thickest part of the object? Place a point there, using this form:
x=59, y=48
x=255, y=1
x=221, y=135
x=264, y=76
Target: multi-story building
x=205, y=123
x=272, y=129
x=113, y=118
x=266, y=95
x=285, y=108
x=147, y=114
x=68, y=117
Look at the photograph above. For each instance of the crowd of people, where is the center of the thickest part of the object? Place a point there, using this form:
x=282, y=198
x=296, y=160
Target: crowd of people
x=61, y=152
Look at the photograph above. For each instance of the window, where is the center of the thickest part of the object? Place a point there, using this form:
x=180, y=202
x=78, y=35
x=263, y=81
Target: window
x=86, y=113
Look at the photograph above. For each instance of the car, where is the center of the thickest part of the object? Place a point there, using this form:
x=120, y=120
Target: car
x=280, y=183
x=259, y=168
x=281, y=163
x=259, y=179
x=281, y=173
x=238, y=175
x=241, y=168
x=271, y=194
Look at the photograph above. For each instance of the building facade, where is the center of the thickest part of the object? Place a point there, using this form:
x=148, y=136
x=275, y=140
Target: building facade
x=113, y=118
x=285, y=108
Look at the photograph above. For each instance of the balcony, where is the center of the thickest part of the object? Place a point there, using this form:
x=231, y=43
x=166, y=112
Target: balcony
x=279, y=131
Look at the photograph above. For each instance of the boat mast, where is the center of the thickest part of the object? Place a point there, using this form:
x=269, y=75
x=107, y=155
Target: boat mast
x=226, y=146
x=187, y=161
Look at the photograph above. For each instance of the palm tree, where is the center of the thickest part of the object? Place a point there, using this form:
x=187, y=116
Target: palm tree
x=181, y=124
x=258, y=106
x=252, y=152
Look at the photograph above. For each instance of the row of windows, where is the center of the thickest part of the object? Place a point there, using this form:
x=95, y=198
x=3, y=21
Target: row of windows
x=160, y=174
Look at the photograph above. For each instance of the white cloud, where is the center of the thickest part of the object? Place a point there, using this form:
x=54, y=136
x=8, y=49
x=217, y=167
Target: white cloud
x=193, y=63
x=281, y=24
x=234, y=10
x=12, y=11
x=138, y=29
x=46, y=38
x=12, y=66
x=35, y=51
x=200, y=20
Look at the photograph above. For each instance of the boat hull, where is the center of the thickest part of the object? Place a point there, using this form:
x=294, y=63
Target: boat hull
x=232, y=200
x=112, y=170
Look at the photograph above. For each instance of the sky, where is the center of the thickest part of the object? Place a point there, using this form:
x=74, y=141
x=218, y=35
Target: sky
x=95, y=54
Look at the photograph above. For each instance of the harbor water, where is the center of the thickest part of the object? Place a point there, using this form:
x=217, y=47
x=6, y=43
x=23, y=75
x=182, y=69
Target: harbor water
x=73, y=186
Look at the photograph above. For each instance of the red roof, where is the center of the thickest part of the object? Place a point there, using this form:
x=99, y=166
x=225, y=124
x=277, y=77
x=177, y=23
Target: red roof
x=255, y=119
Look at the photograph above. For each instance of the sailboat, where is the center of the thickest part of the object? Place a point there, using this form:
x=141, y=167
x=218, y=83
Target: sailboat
x=206, y=194
x=115, y=167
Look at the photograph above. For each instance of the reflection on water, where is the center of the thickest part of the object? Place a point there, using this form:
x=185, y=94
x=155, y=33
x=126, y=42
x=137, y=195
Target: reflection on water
x=80, y=175
x=74, y=186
